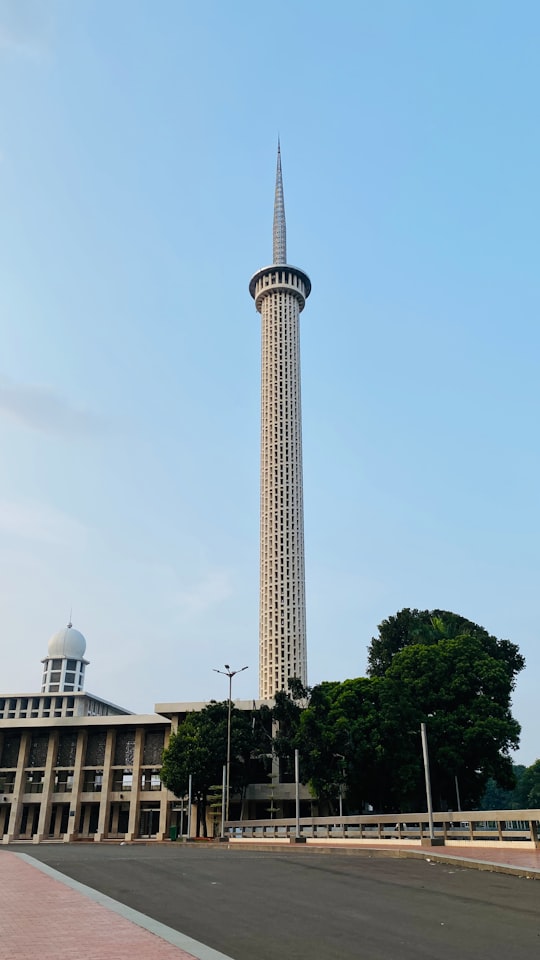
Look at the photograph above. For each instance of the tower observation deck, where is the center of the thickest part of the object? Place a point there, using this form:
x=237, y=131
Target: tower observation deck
x=280, y=292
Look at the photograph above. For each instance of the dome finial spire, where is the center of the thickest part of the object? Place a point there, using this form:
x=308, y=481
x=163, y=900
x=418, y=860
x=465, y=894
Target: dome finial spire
x=280, y=230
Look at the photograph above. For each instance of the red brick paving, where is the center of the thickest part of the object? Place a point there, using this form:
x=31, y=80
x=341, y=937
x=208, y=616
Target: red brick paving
x=505, y=855
x=526, y=859
x=510, y=857
x=43, y=919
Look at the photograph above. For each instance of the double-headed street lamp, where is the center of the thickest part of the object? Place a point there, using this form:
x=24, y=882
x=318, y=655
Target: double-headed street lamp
x=227, y=672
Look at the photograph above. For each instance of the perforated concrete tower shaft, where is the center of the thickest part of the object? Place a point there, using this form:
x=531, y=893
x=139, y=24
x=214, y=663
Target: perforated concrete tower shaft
x=280, y=292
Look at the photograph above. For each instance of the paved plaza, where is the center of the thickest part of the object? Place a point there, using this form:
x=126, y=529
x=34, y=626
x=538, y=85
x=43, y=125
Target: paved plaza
x=212, y=902
x=42, y=916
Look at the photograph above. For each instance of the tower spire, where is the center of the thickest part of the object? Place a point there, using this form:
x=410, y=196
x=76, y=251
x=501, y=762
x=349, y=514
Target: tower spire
x=280, y=229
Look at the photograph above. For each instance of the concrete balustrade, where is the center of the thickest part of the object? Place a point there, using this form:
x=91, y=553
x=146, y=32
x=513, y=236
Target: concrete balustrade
x=488, y=828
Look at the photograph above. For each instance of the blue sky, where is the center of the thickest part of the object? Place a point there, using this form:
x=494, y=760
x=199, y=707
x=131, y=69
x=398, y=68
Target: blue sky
x=137, y=155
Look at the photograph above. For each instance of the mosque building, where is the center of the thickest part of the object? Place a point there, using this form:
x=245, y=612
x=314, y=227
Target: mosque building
x=75, y=767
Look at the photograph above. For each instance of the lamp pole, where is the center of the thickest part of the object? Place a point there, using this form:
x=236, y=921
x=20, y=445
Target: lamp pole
x=341, y=757
x=428, y=779
x=297, y=791
x=230, y=674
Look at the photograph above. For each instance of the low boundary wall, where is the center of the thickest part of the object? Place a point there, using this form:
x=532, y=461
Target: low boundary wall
x=487, y=827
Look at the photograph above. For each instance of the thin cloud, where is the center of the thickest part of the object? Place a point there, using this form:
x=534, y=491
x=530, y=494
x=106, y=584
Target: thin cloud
x=212, y=589
x=41, y=409
x=18, y=45
x=26, y=27
x=31, y=520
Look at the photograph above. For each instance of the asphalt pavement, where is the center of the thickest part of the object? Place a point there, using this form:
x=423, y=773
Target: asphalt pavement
x=254, y=905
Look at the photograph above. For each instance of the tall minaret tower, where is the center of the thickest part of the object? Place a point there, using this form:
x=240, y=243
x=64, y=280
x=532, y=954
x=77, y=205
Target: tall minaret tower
x=280, y=293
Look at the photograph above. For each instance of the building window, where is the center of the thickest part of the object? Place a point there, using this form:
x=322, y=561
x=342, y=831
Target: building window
x=67, y=748
x=93, y=781
x=34, y=781
x=7, y=782
x=150, y=780
x=63, y=781
x=124, y=748
x=122, y=781
x=95, y=748
x=38, y=750
x=153, y=747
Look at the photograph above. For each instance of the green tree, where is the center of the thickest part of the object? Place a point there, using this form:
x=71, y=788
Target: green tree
x=426, y=666
x=410, y=627
x=496, y=798
x=334, y=726
x=199, y=749
x=528, y=788
x=286, y=715
x=461, y=687
x=338, y=740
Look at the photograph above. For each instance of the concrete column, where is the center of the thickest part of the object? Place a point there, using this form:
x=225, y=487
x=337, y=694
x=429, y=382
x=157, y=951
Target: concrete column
x=165, y=796
x=57, y=821
x=165, y=799
x=48, y=789
x=104, y=803
x=75, y=801
x=17, y=796
x=134, y=800
x=4, y=817
x=114, y=821
x=86, y=822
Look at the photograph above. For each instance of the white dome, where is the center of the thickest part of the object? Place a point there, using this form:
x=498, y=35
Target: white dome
x=67, y=643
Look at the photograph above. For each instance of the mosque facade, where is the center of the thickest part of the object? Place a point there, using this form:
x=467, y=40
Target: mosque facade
x=75, y=767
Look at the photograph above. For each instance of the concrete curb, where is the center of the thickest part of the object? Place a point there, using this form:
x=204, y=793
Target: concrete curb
x=395, y=853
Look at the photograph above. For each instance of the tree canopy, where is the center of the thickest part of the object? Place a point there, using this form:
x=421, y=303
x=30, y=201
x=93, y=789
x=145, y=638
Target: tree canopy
x=410, y=627
x=528, y=788
x=524, y=796
x=426, y=666
x=462, y=693
x=199, y=749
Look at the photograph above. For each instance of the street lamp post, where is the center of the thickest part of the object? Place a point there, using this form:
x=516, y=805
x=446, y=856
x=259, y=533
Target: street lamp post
x=428, y=780
x=230, y=674
x=341, y=758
